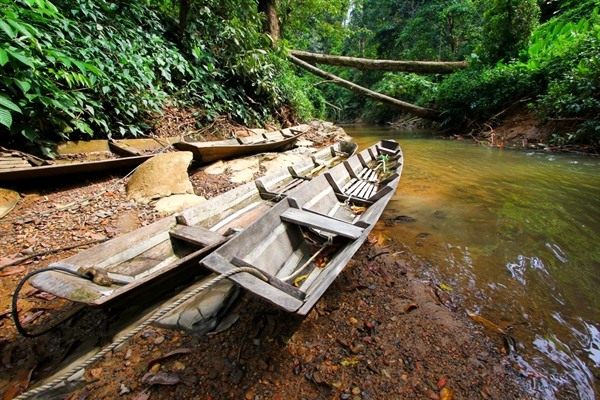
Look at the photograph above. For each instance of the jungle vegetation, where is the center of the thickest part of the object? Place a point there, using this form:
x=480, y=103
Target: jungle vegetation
x=73, y=69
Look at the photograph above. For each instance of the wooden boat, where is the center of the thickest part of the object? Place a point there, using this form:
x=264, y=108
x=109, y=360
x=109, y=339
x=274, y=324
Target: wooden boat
x=171, y=248
x=302, y=243
x=206, y=152
x=16, y=166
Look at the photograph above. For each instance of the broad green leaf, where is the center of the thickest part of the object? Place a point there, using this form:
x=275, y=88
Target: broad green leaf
x=24, y=28
x=23, y=85
x=6, y=102
x=7, y=29
x=21, y=57
x=3, y=57
x=5, y=117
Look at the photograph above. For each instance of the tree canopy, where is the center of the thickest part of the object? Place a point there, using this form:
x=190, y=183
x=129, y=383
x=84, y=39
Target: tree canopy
x=93, y=68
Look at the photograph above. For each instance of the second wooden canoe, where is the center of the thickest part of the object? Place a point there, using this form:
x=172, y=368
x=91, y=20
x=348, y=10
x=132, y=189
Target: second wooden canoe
x=206, y=152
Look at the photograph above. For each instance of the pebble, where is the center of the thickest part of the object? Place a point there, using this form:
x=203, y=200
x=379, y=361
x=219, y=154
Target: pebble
x=213, y=373
x=236, y=376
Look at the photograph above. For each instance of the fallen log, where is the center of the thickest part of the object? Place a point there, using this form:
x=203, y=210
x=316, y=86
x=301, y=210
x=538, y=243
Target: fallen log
x=428, y=67
x=422, y=112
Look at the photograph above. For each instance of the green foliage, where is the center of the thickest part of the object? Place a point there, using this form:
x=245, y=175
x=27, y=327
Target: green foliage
x=476, y=94
x=313, y=25
x=42, y=86
x=82, y=68
x=413, y=88
x=574, y=90
x=507, y=27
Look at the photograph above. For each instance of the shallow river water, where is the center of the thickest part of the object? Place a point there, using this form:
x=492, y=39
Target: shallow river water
x=515, y=237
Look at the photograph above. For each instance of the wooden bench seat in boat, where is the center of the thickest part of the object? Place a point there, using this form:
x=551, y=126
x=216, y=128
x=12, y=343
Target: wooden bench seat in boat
x=322, y=222
x=362, y=190
x=251, y=140
x=196, y=235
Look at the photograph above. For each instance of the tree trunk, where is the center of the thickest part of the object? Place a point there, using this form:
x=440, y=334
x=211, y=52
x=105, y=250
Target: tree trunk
x=184, y=9
x=425, y=113
x=269, y=8
x=434, y=67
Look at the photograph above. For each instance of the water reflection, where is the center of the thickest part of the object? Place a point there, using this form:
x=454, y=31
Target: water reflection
x=515, y=235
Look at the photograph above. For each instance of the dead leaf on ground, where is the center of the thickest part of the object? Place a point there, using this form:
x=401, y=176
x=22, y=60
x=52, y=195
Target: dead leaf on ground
x=446, y=394
x=8, y=271
x=410, y=307
x=32, y=316
x=161, y=378
x=486, y=323
x=175, y=352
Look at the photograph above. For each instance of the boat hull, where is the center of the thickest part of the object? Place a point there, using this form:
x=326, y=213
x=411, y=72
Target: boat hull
x=171, y=248
x=206, y=152
x=304, y=242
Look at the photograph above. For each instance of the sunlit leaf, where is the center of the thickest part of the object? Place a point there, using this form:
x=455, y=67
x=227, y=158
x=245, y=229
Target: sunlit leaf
x=349, y=362
x=445, y=287
x=299, y=279
x=486, y=323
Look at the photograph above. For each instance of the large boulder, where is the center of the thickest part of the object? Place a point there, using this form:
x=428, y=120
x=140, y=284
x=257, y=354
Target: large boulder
x=161, y=176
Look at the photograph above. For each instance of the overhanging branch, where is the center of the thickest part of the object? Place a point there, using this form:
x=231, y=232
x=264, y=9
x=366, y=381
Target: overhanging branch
x=428, y=67
x=403, y=106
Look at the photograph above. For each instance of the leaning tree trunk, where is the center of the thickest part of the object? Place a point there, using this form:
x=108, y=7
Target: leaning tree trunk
x=425, y=113
x=435, y=67
x=268, y=7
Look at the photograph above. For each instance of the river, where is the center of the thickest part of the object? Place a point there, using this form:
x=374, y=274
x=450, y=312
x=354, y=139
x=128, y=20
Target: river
x=513, y=236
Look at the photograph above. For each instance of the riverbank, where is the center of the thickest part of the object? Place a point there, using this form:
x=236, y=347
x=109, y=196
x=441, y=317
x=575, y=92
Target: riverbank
x=378, y=332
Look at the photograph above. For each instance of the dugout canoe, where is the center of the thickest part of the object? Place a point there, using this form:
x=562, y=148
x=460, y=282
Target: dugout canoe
x=18, y=167
x=171, y=248
x=303, y=242
x=206, y=152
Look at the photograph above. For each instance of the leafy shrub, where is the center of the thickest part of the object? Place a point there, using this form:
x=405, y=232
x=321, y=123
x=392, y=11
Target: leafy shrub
x=83, y=68
x=474, y=95
x=575, y=94
x=43, y=87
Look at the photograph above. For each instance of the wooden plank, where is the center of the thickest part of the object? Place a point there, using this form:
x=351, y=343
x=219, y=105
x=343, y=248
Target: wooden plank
x=321, y=222
x=357, y=189
x=363, y=192
x=217, y=263
x=196, y=235
x=273, y=281
x=122, y=149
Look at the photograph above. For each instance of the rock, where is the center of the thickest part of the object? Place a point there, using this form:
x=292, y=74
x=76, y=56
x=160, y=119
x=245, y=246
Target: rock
x=272, y=162
x=243, y=169
x=160, y=176
x=216, y=168
x=8, y=201
x=177, y=202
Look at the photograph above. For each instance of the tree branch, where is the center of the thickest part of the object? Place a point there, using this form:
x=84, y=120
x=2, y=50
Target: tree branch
x=434, y=67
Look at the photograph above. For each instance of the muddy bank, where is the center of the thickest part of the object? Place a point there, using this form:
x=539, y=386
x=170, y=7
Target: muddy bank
x=378, y=332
